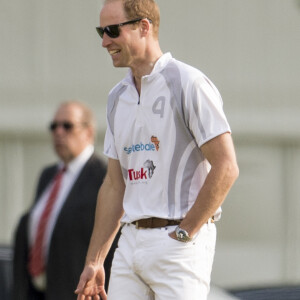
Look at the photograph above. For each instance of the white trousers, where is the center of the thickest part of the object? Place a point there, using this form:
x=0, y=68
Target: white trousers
x=149, y=265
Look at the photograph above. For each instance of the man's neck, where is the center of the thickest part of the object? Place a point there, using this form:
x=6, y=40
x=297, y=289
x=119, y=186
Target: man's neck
x=145, y=67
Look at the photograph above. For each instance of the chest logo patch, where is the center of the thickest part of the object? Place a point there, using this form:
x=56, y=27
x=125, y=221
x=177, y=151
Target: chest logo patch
x=149, y=146
x=144, y=173
x=155, y=141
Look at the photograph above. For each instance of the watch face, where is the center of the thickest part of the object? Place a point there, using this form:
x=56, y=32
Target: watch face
x=182, y=235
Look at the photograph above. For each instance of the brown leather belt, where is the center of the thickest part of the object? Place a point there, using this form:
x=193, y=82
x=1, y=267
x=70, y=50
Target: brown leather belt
x=155, y=223
x=158, y=222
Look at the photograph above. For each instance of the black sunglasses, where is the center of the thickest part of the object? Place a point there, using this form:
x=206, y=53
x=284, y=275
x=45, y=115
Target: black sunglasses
x=67, y=126
x=113, y=31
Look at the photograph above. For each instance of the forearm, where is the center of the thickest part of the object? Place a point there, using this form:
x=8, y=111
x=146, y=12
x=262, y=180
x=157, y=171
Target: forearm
x=109, y=211
x=211, y=196
x=108, y=214
x=224, y=171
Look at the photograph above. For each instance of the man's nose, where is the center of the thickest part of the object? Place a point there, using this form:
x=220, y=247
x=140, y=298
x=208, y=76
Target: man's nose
x=106, y=40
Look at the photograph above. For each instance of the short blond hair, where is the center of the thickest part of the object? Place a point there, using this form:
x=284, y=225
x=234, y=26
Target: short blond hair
x=142, y=9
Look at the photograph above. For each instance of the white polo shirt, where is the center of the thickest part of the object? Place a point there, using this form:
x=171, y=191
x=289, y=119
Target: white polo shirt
x=156, y=137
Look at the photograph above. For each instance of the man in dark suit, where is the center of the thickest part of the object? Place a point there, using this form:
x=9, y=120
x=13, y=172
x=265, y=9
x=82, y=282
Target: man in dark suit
x=51, y=240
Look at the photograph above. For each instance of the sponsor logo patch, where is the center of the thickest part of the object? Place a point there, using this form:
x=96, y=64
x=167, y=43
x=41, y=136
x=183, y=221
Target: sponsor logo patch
x=144, y=173
x=151, y=146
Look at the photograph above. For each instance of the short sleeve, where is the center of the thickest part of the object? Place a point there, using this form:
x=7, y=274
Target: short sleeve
x=109, y=144
x=206, y=118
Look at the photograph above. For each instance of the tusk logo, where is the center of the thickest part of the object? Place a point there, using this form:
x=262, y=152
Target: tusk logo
x=144, y=173
x=150, y=167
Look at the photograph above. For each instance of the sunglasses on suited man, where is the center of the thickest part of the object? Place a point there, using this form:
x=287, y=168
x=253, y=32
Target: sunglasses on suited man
x=66, y=125
x=113, y=31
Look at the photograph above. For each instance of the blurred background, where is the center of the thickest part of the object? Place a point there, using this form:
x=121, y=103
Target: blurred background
x=50, y=52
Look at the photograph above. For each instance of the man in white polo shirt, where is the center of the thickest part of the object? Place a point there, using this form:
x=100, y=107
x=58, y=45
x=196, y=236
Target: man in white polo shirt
x=171, y=165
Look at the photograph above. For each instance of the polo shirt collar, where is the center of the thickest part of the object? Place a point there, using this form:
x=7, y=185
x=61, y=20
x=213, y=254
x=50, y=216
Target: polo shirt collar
x=159, y=65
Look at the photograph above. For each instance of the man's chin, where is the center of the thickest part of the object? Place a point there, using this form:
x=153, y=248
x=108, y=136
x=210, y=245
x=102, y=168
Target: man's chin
x=118, y=64
x=61, y=152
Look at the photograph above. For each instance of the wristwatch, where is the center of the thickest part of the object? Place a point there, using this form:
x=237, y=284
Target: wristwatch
x=182, y=235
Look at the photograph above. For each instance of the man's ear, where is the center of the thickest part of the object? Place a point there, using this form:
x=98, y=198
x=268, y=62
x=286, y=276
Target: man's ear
x=145, y=27
x=90, y=134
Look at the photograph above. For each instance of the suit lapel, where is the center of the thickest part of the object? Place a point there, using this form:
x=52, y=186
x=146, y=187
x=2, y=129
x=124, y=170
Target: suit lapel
x=45, y=179
x=74, y=194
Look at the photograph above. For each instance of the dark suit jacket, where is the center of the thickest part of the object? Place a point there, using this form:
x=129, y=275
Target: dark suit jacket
x=70, y=238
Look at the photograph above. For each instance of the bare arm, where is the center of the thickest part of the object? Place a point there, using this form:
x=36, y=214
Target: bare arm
x=224, y=171
x=109, y=211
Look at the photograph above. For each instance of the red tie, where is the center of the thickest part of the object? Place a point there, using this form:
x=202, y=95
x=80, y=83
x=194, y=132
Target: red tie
x=36, y=263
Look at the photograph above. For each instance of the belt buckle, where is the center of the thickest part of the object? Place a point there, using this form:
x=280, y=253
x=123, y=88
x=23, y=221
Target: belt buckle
x=137, y=225
x=211, y=220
